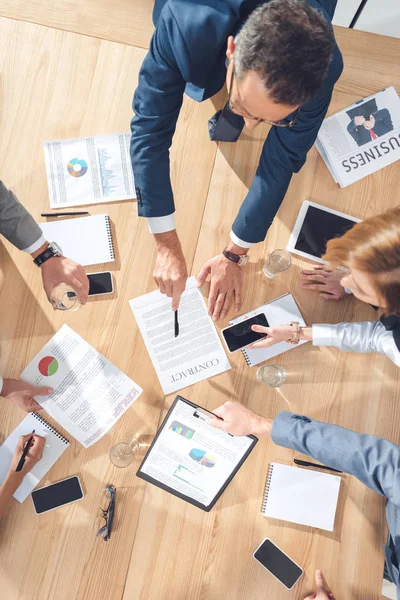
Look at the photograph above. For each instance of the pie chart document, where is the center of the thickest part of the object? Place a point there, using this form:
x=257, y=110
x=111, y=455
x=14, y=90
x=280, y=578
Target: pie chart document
x=90, y=393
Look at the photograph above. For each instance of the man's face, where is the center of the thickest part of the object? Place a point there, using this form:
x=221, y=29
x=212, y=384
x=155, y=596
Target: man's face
x=249, y=99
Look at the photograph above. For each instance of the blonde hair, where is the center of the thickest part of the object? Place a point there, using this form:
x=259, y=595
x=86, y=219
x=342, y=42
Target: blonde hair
x=373, y=246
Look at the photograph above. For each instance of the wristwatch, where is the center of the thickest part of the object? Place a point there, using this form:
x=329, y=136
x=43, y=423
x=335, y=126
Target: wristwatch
x=52, y=249
x=239, y=259
x=295, y=325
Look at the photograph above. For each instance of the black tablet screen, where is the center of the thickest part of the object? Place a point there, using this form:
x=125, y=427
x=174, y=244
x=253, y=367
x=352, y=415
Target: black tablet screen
x=318, y=228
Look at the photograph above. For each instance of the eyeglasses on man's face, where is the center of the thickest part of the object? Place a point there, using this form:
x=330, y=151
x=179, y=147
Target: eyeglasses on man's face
x=241, y=113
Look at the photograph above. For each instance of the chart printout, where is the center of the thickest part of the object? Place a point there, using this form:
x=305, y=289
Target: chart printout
x=90, y=393
x=192, y=457
x=89, y=170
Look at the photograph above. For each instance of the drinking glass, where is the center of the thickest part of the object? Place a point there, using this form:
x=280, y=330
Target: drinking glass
x=277, y=262
x=123, y=453
x=272, y=375
x=64, y=297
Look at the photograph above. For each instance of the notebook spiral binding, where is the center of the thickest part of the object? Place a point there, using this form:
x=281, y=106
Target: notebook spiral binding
x=246, y=357
x=55, y=431
x=110, y=239
x=266, y=489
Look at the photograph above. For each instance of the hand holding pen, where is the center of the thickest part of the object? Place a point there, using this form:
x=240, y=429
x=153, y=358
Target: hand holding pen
x=31, y=454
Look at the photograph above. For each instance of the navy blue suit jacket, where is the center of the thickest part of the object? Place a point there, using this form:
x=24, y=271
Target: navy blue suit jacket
x=187, y=54
x=383, y=124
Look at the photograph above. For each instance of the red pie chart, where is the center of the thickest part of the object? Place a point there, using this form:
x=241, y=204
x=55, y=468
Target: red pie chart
x=48, y=366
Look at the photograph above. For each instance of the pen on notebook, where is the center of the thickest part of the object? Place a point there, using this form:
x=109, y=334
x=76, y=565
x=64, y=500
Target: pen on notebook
x=24, y=453
x=304, y=463
x=176, y=324
x=65, y=214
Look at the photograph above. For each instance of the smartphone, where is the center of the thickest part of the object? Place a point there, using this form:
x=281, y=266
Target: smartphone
x=57, y=494
x=100, y=283
x=240, y=335
x=283, y=568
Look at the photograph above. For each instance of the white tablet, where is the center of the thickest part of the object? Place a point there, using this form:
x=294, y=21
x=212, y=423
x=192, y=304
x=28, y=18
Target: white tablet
x=314, y=227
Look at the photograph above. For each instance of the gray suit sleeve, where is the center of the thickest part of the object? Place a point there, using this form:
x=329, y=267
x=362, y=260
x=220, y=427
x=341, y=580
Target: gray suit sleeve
x=16, y=224
x=373, y=460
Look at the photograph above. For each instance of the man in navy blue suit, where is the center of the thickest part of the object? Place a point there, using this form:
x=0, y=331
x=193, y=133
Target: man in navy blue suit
x=280, y=62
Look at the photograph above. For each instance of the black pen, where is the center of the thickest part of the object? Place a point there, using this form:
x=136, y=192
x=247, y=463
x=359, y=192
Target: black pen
x=176, y=324
x=24, y=453
x=65, y=214
x=304, y=463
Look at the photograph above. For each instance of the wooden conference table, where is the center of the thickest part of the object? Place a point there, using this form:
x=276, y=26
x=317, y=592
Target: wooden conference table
x=58, y=84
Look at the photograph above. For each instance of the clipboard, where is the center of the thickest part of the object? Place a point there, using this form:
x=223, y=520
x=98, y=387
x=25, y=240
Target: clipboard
x=197, y=462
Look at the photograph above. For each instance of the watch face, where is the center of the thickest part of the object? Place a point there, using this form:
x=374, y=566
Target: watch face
x=243, y=260
x=56, y=248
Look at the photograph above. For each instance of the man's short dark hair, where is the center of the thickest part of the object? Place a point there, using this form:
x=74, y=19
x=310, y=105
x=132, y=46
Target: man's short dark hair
x=290, y=45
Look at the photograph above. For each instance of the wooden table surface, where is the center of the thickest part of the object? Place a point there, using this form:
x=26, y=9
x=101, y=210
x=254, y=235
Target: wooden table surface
x=58, y=83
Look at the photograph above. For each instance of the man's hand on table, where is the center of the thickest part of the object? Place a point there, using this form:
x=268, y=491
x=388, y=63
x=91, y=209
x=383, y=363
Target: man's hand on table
x=322, y=591
x=226, y=282
x=22, y=394
x=170, y=272
x=239, y=420
x=60, y=269
x=325, y=280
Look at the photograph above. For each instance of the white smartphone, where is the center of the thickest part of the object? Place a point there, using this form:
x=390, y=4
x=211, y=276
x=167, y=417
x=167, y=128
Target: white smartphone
x=100, y=283
x=240, y=335
x=283, y=568
x=57, y=494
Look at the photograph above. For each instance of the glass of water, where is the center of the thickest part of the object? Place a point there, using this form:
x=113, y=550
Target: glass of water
x=272, y=375
x=64, y=297
x=123, y=453
x=277, y=262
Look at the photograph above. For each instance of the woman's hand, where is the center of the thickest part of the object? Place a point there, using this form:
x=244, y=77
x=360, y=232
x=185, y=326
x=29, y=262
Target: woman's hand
x=325, y=280
x=322, y=591
x=274, y=335
x=34, y=455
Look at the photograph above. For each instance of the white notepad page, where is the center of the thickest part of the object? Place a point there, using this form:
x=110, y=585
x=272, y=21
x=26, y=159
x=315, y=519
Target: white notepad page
x=301, y=496
x=87, y=240
x=280, y=311
x=56, y=444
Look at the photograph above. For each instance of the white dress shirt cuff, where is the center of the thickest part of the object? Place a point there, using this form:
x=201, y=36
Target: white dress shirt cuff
x=323, y=335
x=33, y=247
x=1, y=384
x=240, y=242
x=161, y=224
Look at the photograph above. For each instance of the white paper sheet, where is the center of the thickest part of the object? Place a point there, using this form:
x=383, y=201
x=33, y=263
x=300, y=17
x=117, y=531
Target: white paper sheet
x=89, y=170
x=192, y=457
x=90, y=393
x=196, y=354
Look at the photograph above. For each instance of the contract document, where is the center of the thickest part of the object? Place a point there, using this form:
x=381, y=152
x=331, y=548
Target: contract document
x=90, y=393
x=195, y=354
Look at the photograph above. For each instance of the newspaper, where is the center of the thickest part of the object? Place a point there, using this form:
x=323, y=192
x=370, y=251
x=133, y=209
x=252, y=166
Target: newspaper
x=362, y=138
x=89, y=170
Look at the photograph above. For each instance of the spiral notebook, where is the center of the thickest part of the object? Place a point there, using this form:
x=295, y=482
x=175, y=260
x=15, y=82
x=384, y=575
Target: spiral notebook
x=56, y=444
x=278, y=312
x=87, y=240
x=301, y=496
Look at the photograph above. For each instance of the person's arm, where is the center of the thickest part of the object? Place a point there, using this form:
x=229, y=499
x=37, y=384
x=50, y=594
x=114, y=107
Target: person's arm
x=22, y=393
x=13, y=478
x=373, y=460
x=283, y=154
x=157, y=102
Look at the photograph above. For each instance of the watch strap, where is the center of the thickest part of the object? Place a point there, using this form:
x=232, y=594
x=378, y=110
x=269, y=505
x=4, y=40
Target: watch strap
x=231, y=256
x=45, y=255
x=295, y=325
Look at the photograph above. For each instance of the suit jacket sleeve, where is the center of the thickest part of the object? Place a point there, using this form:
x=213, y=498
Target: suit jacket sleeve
x=156, y=103
x=16, y=224
x=353, y=131
x=283, y=154
x=373, y=460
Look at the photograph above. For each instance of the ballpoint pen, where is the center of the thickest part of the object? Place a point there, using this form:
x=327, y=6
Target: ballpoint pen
x=176, y=324
x=25, y=452
x=304, y=463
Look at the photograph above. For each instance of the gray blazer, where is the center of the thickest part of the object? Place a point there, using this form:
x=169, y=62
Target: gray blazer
x=373, y=460
x=16, y=224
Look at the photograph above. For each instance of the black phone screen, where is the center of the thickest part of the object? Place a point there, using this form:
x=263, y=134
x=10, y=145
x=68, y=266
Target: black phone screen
x=100, y=283
x=57, y=494
x=320, y=226
x=241, y=335
x=276, y=561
